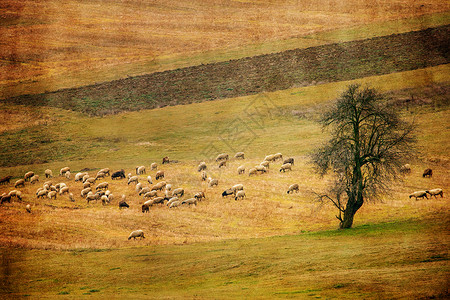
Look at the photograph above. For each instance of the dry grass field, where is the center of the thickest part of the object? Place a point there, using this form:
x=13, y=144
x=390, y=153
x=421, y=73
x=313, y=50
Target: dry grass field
x=49, y=45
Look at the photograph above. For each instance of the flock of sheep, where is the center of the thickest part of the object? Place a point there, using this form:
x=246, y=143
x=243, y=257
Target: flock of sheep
x=160, y=193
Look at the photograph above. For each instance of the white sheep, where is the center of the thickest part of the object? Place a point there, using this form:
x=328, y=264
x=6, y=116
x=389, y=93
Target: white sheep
x=85, y=191
x=435, y=192
x=67, y=174
x=223, y=164
x=190, y=201
x=149, y=179
x=104, y=199
x=102, y=186
x=239, y=155
x=86, y=185
x=270, y=157
x=137, y=233
x=252, y=171
x=237, y=187
x=159, y=186
x=51, y=194
x=150, y=194
x=202, y=166
x=175, y=204
x=200, y=195
x=138, y=187
x=105, y=171
x=277, y=156
x=292, y=188
x=261, y=169
x=240, y=194
x=28, y=175
x=241, y=170
x=71, y=198
x=16, y=193
x=418, y=194
x=20, y=182
x=34, y=179
x=110, y=197
x=222, y=156
x=134, y=179
x=79, y=176
x=42, y=193
x=63, y=171
x=48, y=173
x=28, y=208
x=179, y=192
x=265, y=164
x=64, y=190
x=212, y=182
x=140, y=170
x=168, y=187
x=153, y=166
x=90, y=179
x=91, y=197
x=171, y=200
x=286, y=167
x=143, y=191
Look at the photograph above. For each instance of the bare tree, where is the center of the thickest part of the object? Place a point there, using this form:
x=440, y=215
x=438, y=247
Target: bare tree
x=369, y=143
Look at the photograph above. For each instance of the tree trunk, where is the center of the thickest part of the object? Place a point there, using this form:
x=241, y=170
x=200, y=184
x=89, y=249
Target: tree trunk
x=352, y=207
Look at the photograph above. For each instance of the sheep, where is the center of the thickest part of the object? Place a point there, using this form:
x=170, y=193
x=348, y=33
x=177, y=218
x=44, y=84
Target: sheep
x=213, y=182
x=159, y=186
x=419, y=194
x=240, y=194
x=227, y=192
x=405, y=169
x=53, y=188
x=64, y=190
x=241, y=170
x=153, y=166
x=79, y=176
x=92, y=197
x=237, y=187
x=277, y=156
x=90, y=179
x=28, y=175
x=222, y=156
x=51, y=194
x=138, y=187
x=28, y=208
x=435, y=192
x=143, y=191
x=105, y=171
x=178, y=192
x=261, y=169
x=223, y=164
x=201, y=167
x=289, y=160
x=145, y=208
x=20, y=182
x=137, y=233
x=190, y=201
x=149, y=179
x=85, y=177
x=200, y=195
x=204, y=176
x=252, y=171
x=134, y=179
x=86, y=185
x=67, y=174
x=239, y=155
x=171, y=200
x=129, y=175
x=150, y=194
x=168, y=187
x=5, y=179
x=5, y=198
x=285, y=167
x=99, y=175
x=118, y=175
x=85, y=191
x=42, y=193
x=104, y=199
x=123, y=204
x=292, y=188
x=140, y=170
x=34, y=179
x=427, y=173
x=269, y=158
x=48, y=173
x=71, y=198
x=110, y=197
x=159, y=175
x=165, y=160
x=265, y=164
x=63, y=171
x=175, y=204
x=158, y=200
x=16, y=193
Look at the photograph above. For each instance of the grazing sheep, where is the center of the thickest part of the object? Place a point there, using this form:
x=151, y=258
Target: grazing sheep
x=159, y=175
x=153, y=166
x=270, y=157
x=110, y=197
x=53, y=188
x=240, y=195
x=252, y=171
x=42, y=193
x=20, y=182
x=137, y=233
x=48, y=173
x=265, y=164
x=145, y=208
x=63, y=171
x=150, y=194
x=85, y=177
x=435, y=192
x=171, y=200
x=149, y=179
x=158, y=200
x=213, y=182
x=67, y=174
x=190, y=201
x=179, y=192
x=292, y=188
x=138, y=187
x=134, y=179
x=105, y=171
x=419, y=194
x=99, y=175
x=28, y=175
x=104, y=199
x=223, y=164
x=16, y=193
x=64, y=190
x=239, y=155
x=129, y=175
x=52, y=194
x=159, y=186
x=286, y=167
x=261, y=169
x=5, y=198
x=204, y=176
x=143, y=191
x=140, y=170
x=118, y=174
x=34, y=179
x=227, y=192
x=90, y=179
x=79, y=176
x=123, y=204
x=175, y=204
x=277, y=156
x=222, y=156
x=85, y=191
x=201, y=167
x=165, y=160
x=241, y=170
x=289, y=160
x=86, y=185
x=427, y=173
x=168, y=187
x=92, y=197
x=405, y=169
x=28, y=208
x=200, y=195
x=237, y=187
x=71, y=198
x=5, y=179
